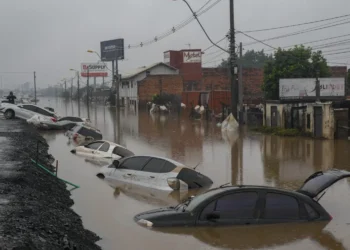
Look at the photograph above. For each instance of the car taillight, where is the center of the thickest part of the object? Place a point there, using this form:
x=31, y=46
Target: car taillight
x=75, y=136
x=174, y=183
x=53, y=119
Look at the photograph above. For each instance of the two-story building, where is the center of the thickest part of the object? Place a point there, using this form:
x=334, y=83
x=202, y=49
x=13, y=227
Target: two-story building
x=128, y=89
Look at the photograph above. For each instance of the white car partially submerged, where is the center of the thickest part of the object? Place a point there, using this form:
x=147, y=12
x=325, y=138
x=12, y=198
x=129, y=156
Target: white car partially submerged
x=155, y=172
x=26, y=111
x=102, y=149
x=64, y=123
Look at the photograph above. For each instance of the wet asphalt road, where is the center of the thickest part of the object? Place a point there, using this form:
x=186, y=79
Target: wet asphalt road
x=248, y=158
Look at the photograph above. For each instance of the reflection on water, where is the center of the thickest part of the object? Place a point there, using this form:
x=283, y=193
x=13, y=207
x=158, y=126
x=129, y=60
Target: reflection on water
x=244, y=158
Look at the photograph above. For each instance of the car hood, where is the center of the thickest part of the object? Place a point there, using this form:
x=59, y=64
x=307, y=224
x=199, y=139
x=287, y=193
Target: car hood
x=319, y=181
x=156, y=213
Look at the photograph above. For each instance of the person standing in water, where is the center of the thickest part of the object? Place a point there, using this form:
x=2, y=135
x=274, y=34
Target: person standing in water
x=11, y=98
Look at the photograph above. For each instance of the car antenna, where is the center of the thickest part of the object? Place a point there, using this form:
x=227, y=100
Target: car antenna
x=197, y=165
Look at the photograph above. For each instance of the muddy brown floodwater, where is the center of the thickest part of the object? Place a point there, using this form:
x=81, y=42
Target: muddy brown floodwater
x=108, y=208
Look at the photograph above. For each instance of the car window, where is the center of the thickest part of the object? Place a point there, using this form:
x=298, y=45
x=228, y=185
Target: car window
x=73, y=119
x=168, y=167
x=233, y=206
x=123, y=152
x=105, y=147
x=312, y=213
x=280, y=206
x=154, y=165
x=29, y=107
x=94, y=145
x=43, y=111
x=135, y=163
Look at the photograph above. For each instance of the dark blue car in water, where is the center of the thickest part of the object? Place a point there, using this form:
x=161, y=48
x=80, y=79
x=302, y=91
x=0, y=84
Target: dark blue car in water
x=248, y=205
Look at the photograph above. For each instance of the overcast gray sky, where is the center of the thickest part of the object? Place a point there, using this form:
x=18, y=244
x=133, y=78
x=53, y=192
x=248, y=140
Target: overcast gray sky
x=52, y=36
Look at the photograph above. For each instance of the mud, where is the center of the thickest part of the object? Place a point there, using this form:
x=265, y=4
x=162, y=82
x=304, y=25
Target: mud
x=35, y=207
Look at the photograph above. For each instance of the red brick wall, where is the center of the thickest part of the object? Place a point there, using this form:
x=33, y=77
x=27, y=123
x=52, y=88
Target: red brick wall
x=171, y=84
x=338, y=71
x=218, y=79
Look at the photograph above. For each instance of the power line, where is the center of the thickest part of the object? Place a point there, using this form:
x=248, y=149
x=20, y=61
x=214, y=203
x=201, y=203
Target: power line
x=296, y=25
x=314, y=41
x=225, y=37
x=201, y=11
x=324, y=26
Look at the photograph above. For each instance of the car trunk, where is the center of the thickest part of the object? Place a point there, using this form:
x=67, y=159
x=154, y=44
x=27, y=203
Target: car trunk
x=319, y=181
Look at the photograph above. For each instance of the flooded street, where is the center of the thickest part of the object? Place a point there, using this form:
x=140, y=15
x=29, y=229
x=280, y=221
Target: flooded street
x=108, y=208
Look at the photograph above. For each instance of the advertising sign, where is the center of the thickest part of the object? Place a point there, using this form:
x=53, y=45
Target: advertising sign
x=95, y=70
x=112, y=50
x=305, y=88
x=192, y=56
x=167, y=57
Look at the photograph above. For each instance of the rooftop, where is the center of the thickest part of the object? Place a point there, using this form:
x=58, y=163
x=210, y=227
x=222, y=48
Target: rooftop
x=143, y=69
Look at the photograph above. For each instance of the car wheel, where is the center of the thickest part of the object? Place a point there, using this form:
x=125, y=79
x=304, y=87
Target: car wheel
x=9, y=114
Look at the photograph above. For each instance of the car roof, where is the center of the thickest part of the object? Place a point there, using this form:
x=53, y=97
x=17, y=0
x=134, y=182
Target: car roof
x=254, y=187
x=163, y=158
x=111, y=143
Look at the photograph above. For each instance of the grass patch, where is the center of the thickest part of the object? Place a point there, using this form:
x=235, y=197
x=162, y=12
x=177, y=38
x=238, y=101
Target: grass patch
x=282, y=131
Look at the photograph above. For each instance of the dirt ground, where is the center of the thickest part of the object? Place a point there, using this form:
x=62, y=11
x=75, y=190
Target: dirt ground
x=35, y=207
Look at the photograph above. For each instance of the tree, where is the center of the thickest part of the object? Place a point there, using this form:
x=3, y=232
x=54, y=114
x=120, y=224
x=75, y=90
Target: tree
x=298, y=62
x=251, y=59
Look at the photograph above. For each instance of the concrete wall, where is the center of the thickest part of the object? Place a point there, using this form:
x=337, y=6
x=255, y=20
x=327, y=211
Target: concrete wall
x=284, y=117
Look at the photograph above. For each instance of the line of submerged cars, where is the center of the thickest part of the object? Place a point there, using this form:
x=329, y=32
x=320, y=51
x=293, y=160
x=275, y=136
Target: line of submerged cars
x=222, y=206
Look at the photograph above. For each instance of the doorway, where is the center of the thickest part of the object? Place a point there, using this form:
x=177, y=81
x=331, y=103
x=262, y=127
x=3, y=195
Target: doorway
x=318, y=124
x=274, y=116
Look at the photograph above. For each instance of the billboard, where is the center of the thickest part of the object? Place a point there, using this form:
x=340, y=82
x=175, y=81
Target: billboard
x=305, y=88
x=95, y=70
x=192, y=56
x=167, y=57
x=112, y=50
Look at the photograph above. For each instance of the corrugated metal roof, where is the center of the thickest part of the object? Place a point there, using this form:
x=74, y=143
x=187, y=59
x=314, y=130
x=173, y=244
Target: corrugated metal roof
x=143, y=69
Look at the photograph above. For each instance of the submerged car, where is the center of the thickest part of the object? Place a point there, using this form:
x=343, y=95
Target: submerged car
x=64, y=123
x=102, y=149
x=155, y=172
x=26, y=111
x=248, y=205
x=84, y=132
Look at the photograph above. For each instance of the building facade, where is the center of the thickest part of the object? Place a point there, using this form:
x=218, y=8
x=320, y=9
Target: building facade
x=128, y=89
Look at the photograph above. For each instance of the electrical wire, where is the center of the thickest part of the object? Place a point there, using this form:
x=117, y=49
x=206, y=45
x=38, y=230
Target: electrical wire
x=324, y=26
x=296, y=25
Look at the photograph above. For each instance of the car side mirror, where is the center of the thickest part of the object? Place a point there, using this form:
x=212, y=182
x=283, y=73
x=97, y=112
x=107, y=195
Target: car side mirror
x=213, y=216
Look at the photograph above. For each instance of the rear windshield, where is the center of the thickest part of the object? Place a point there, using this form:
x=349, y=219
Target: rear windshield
x=122, y=152
x=89, y=132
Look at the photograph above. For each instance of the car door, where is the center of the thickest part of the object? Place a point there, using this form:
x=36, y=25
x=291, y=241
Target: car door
x=25, y=111
x=91, y=148
x=102, y=151
x=150, y=174
x=235, y=208
x=129, y=169
x=280, y=208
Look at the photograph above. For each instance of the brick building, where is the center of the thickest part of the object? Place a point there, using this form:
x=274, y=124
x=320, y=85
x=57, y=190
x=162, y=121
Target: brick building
x=157, y=84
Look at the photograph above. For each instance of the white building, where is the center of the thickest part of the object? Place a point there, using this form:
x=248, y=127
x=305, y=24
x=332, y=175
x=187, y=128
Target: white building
x=128, y=89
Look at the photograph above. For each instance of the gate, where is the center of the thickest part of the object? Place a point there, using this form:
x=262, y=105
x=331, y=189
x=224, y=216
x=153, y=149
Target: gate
x=274, y=116
x=318, y=122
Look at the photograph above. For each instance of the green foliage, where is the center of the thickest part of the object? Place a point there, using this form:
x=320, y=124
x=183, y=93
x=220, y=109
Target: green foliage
x=298, y=62
x=282, y=131
x=250, y=59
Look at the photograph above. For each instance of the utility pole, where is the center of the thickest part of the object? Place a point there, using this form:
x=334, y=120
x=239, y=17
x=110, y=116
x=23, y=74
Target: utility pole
x=317, y=86
x=233, y=62
x=240, y=84
x=113, y=78
x=71, y=89
x=78, y=87
x=117, y=81
x=34, y=88
x=65, y=88
x=103, y=81
x=87, y=88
